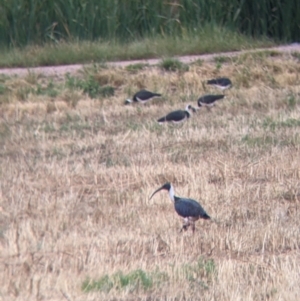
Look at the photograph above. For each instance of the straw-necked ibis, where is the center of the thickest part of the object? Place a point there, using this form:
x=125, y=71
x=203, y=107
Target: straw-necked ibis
x=142, y=96
x=189, y=209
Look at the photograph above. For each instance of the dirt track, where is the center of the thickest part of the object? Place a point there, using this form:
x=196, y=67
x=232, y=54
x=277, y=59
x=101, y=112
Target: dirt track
x=60, y=70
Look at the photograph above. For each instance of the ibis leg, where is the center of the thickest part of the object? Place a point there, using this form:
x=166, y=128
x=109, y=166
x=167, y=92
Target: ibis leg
x=186, y=225
x=193, y=227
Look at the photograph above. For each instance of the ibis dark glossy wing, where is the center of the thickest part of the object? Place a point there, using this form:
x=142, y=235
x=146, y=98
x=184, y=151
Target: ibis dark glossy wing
x=175, y=116
x=144, y=95
x=189, y=208
x=209, y=99
x=221, y=81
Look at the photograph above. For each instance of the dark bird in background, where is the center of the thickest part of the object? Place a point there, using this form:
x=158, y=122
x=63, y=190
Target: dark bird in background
x=209, y=100
x=222, y=83
x=142, y=96
x=178, y=116
x=189, y=209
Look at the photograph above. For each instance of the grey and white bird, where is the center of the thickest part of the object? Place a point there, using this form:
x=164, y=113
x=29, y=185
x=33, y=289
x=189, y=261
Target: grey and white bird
x=222, y=83
x=142, y=96
x=209, y=100
x=189, y=209
x=177, y=116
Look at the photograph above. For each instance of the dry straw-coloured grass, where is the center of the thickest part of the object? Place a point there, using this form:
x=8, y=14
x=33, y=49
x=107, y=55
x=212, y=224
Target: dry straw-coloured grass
x=76, y=177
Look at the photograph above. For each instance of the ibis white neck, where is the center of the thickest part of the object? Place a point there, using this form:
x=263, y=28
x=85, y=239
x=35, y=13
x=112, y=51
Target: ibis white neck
x=171, y=194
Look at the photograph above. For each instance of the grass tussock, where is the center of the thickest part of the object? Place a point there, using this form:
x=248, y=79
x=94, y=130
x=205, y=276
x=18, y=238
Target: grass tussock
x=77, y=170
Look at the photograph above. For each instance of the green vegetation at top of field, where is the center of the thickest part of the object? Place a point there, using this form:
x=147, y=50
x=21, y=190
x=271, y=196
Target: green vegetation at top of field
x=207, y=39
x=39, y=22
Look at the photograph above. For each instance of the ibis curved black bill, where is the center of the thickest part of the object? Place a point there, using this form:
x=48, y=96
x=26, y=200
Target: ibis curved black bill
x=159, y=189
x=166, y=186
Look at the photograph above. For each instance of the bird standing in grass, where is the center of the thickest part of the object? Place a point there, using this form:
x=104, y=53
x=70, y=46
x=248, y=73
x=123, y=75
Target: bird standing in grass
x=142, y=96
x=177, y=116
x=189, y=209
x=209, y=100
x=222, y=83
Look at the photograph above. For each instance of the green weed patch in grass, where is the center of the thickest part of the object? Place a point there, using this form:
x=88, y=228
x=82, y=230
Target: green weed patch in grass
x=73, y=124
x=201, y=273
x=78, y=127
x=202, y=268
x=104, y=284
x=2, y=89
x=222, y=59
x=89, y=86
x=31, y=86
x=58, y=153
x=291, y=195
x=50, y=90
x=258, y=55
x=134, y=68
x=271, y=124
x=107, y=91
x=137, y=280
x=267, y=53
x=4, y=131
x=48, y=128
x=23, y=93
x=171, y=64
x=291, y=101
x=198, y=62
x=296, y=55
x=260, y=141
x=32, y=78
